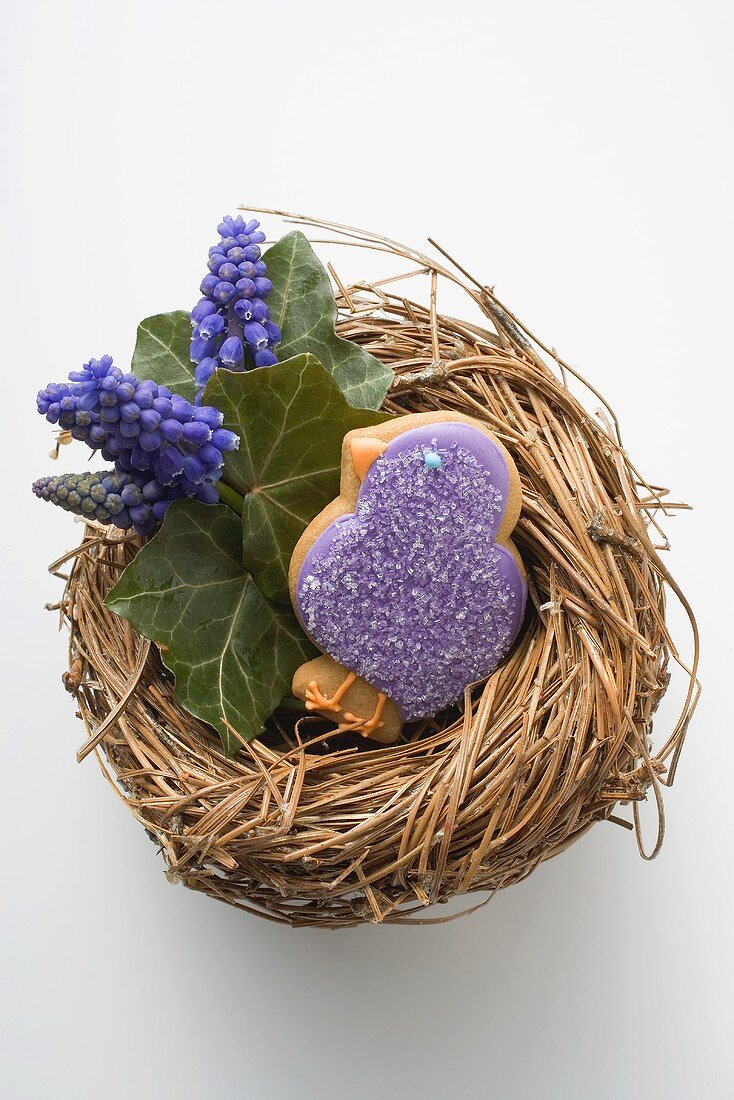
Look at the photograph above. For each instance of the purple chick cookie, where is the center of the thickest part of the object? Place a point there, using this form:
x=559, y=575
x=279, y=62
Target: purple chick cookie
x=410, y=591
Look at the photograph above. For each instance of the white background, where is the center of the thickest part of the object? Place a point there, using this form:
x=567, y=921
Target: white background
x=578, y=156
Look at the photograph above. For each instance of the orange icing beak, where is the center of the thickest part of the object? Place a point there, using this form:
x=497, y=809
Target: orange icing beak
x=365, y=450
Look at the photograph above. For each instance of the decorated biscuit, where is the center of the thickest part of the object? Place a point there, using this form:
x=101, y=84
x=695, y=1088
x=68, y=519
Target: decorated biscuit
x=408, y=582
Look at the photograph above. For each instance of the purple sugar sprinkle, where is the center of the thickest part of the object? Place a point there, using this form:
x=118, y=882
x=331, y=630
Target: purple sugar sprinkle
x=410, y=591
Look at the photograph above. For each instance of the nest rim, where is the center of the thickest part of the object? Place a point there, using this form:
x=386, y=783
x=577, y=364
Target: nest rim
x=310, y=830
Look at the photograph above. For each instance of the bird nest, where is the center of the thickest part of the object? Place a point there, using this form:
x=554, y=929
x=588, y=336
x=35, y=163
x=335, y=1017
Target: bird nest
x=309, y=828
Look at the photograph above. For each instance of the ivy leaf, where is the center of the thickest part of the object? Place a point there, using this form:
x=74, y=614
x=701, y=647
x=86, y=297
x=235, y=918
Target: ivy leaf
x=162, y=352
x=291, y=419
x=233, y=653
x=302, y=304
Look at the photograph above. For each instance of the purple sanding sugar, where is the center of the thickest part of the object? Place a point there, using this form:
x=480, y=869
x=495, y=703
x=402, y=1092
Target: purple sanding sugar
x=410, y=591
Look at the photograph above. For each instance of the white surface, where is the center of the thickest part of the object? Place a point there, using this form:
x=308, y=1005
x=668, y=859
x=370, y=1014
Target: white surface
x=579, y=157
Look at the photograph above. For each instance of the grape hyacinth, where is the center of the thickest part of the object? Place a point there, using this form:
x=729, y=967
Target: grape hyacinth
x=143, y=428
x=123, y=499
x=231, y=323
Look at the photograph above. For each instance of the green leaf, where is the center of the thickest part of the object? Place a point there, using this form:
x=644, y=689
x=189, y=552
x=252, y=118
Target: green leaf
x=302, y=304
x=162, y=352
x=291, y=419
x=233, y=653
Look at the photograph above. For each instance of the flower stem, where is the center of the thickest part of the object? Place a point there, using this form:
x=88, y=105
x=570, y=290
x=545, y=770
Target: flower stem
x=231, y=497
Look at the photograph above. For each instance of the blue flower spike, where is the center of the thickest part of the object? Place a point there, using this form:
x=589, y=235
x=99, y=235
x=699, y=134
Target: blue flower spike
x=159, y=442
x=231, y=324
x=125, y=500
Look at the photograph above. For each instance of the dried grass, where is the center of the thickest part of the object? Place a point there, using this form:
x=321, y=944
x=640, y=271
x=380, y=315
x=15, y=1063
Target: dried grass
x=307, y=829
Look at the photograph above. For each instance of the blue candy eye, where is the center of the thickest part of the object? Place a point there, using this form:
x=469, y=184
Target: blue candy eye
x=432, y=459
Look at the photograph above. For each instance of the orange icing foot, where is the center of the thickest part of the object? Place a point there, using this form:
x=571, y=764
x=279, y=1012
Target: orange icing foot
x=366, y=726
x=316, y=701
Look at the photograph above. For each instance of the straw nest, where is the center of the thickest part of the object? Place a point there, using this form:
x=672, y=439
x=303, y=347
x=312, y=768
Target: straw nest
x=309, y=829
